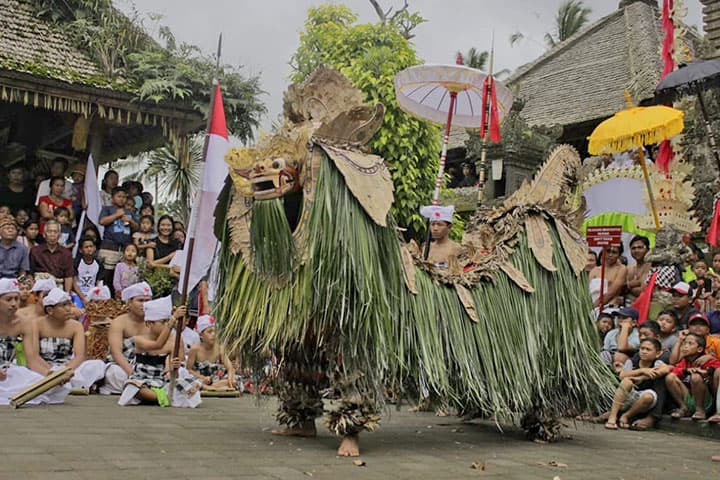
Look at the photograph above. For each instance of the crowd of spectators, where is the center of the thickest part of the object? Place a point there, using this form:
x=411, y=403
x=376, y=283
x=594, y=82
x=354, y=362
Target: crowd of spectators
x=666, y=353
x=39, y=229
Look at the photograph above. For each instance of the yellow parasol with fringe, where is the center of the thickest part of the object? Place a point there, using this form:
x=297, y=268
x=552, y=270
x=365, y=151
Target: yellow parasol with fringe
x=635, y=127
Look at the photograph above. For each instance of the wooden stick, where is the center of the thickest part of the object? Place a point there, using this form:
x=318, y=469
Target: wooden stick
x=220, y=393
x=58, y=377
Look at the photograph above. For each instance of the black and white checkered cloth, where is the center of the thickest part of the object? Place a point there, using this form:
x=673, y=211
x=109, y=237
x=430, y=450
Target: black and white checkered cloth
x=186, y=384
x=56, y=350
x=216, y=371
x=7, y=350
x=149, y=370
x=128, y=351
x=667, y=276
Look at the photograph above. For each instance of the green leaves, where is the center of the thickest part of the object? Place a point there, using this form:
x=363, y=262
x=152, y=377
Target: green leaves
x=370, y=55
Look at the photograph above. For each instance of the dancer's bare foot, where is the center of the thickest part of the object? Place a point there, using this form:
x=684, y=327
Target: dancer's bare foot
x=349, y=446
x=306, y=430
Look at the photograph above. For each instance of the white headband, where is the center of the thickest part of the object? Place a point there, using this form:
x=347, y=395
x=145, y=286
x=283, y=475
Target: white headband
x=9, y=285
x=156, y=310
x=436, y=213
x=141, y=289
x=55, y=297
x=204, y=322
x=43, y=285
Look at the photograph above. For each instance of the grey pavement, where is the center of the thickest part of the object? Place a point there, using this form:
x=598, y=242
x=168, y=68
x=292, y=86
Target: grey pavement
x=93, y=438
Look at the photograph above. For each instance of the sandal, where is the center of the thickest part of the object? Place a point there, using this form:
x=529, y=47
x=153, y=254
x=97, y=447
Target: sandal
x=679, y=413
x=611, y=426
x=714, y=419
x=698, y=417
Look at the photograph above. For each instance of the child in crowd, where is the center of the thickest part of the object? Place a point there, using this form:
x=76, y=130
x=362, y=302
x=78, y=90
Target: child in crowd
x=622, y=342
x=149, y=379
x=4, y=210
x=30, y=234
x=698, y=324
x=604, y=324
x=126, y=272
x=690, y=383
x=148, y=210
x=62, y=216
x=668, y=322
x=145, y=238
x=21, y=216
x=88, y=271
x=638, y=391
x=702, y=285
x=208, y=360
x=714, y=314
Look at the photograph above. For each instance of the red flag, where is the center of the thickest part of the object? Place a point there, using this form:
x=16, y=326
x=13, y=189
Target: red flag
x=494, y=123
x=713, y=232
x=665, y=156
x=642, y=303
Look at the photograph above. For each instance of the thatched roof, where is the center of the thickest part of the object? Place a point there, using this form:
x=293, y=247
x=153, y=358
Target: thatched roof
x=583, y=78
x=30, y=45
x=41, y=67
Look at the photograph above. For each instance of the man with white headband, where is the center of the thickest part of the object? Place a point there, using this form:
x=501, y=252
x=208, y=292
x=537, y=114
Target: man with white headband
x=40, y=288
x=149, y=379
x=14, y=378
x=61, y=341
x=442, y=248
x=120, y=338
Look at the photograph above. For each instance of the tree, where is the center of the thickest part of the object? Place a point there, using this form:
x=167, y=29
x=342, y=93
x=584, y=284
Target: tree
x=475, y=58
x=370, y=55
x=570, y=18
x=401, y=18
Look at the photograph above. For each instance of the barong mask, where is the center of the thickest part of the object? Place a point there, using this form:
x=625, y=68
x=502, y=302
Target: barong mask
x=327, y=109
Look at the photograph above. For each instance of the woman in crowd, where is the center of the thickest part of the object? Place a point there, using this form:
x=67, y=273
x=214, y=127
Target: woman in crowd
x=48, y=203
x=165, y=244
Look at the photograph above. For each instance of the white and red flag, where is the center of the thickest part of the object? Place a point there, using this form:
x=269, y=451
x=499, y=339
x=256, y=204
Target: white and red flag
x=202, y=219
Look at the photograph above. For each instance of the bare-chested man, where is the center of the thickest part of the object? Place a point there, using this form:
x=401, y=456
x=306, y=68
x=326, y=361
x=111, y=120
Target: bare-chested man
x=637, y=274
x=120, y=338
x=615, y=276
x=14, y=378
x=442, y=248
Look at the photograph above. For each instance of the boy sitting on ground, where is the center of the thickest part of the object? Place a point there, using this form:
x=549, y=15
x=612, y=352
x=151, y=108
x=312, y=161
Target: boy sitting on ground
x=638, y=393
x=689, y=384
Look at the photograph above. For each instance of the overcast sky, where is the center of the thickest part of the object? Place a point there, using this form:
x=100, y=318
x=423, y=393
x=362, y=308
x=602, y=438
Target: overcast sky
x=263, y=35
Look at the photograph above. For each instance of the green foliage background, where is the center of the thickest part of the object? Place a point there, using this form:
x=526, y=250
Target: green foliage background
x=370, y=55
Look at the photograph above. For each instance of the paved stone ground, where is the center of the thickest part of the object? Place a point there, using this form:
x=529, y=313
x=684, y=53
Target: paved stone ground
x=92, y=438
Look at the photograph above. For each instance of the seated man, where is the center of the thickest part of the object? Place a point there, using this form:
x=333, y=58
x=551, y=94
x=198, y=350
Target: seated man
x=120, y=338
x=13, y=255
x=14, y=378
x=52, y=258
x=442, y=248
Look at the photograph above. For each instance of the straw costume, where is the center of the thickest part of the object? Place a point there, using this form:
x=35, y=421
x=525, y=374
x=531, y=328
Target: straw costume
x=313, y=266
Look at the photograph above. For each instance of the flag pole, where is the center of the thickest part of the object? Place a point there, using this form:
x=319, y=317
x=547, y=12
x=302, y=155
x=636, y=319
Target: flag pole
x=486, y=138
x=191, y=234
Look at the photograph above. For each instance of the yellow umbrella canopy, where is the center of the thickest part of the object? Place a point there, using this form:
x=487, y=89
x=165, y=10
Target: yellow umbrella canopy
x=633, y=128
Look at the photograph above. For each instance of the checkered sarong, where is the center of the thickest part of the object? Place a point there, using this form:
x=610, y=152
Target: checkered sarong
x=206, y=368
x=56, y=350
x=7, y=350
x=128, y=351
x=149, y=370
x=186, y=384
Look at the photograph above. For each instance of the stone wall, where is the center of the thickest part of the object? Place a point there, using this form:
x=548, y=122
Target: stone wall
x=711, y=20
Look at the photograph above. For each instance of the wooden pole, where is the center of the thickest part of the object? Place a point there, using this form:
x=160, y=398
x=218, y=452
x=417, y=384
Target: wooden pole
x=189, y=249
x=602, y=279
x=649, y=188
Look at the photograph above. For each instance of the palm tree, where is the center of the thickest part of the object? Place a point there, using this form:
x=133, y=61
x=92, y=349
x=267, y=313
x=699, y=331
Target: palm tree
x=474, y=58
x=572, y=16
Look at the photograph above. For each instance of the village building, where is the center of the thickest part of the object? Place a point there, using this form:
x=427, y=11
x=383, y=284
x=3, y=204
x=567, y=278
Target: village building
x=56, y=100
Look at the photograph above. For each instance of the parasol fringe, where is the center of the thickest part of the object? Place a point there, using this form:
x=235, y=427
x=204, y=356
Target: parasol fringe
x=651, y=136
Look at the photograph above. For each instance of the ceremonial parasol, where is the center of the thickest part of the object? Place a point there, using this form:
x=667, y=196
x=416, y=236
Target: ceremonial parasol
x=633, y=128
x=692, y=79
x=453, y=95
